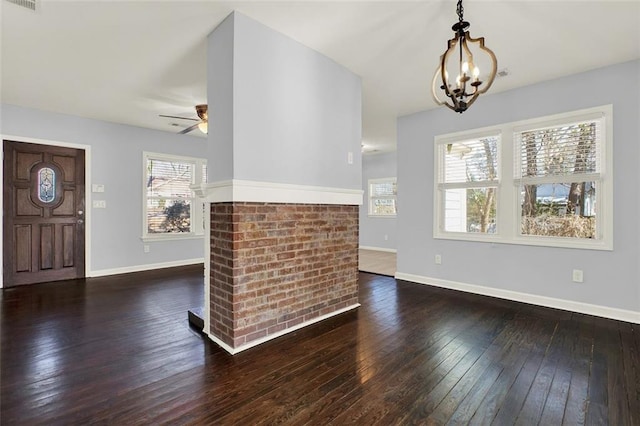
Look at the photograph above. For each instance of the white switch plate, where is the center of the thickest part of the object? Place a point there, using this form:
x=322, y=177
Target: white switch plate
x=97, y=187
x=578, y=276
x=99, y=204
x=438, y=259
x=350, y=157
x=146, y=248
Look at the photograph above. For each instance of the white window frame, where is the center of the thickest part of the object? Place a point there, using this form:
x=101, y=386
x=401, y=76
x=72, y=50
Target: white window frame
x=508, y=208
x=441, y=187
x=370, y=184
x=197, y=211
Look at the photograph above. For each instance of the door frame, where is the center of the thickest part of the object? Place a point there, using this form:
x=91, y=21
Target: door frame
x=87, y=193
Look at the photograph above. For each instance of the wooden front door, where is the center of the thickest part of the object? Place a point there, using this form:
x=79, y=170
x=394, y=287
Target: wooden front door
x=43, y=213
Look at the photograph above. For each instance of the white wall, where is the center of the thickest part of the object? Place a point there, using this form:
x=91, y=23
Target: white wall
x=296, y=113
x=611, y=278
x=220, y=101
x=116, y=162
x=374, y=229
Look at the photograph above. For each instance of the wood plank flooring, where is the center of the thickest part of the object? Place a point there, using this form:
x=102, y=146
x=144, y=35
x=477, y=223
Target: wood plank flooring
x=377, y=262
x=119, y=351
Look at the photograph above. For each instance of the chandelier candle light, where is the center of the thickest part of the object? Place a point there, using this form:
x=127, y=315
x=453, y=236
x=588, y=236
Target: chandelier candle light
x=468, y=85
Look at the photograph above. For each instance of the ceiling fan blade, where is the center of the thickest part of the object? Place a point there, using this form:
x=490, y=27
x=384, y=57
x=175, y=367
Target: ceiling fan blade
x=188, y=129
x=181, y=118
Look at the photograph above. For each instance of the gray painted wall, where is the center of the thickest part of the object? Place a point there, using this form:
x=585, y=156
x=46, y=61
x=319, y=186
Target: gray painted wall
x=296, y=113
x=611, y=278
x=220, y=101
x=117, y=164
x=374, y=229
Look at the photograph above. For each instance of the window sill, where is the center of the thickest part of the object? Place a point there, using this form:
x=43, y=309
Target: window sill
x=551, y=242
x=171, y=237
x=382, y=216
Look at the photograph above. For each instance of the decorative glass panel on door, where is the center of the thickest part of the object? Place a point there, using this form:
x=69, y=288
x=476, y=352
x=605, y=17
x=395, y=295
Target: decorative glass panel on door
x=46, y=185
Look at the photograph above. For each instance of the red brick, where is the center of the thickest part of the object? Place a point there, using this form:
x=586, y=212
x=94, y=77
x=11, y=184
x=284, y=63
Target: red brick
x=276, y=328
x=286, y=255
x=295, y=322
x=274, y=266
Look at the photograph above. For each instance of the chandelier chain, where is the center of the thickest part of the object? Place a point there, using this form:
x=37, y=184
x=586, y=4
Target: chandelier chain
x=460, y=11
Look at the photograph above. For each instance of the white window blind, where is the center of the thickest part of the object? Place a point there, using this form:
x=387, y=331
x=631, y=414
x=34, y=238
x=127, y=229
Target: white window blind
x=469, y=161
x=170, y=179
x=570, y=150
x=383, y=189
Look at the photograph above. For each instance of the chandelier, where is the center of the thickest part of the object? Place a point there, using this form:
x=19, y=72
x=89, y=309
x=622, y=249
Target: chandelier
x=459, y=59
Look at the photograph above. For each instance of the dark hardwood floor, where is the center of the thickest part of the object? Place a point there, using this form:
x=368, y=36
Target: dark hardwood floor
x=119, y=350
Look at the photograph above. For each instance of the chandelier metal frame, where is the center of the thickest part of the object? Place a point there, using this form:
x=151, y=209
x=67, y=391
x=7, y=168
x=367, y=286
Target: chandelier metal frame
x=468, y=86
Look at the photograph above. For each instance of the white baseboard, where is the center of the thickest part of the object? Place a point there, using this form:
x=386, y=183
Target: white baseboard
x=550, y=302
x=388, y=250
x=257, y=342
x=147, y=267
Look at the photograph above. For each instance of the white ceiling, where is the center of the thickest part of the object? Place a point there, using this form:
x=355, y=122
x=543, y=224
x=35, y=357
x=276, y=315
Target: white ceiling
x=128, y=61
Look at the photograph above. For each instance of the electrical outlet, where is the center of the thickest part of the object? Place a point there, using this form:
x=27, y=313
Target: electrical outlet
x=386, y=237
x=438, y=259
x=146, y=248
x=578, y=276
x=99, y=204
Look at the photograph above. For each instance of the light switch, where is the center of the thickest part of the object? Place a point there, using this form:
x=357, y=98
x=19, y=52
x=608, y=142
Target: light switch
x=97, y=188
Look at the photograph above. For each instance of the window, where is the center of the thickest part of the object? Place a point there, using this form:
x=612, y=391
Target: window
x=538, y=182
x=382, y=197
x=558, y=177
x=468, y=181
x=170, y=207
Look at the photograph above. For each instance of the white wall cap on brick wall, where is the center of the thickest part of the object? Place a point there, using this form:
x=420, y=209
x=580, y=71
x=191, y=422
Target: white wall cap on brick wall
x=270, y=192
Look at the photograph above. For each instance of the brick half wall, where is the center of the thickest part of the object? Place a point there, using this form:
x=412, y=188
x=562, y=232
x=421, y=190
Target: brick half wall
x=276, y=266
